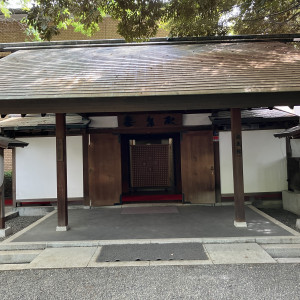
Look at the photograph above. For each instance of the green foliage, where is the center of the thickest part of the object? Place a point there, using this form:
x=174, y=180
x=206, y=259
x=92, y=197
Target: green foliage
x=49, y=16
x=8, y=184
x=4, y=9
x=267, y=16
x=140, y=19
x=197, y=18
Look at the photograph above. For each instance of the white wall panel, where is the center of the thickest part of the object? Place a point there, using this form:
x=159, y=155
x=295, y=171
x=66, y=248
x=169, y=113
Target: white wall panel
x=264, y=158
x=36, y=168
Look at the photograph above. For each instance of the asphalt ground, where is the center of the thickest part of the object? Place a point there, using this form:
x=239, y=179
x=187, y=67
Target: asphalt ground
x=283, y=216
x=251, y=281
x=188, y=222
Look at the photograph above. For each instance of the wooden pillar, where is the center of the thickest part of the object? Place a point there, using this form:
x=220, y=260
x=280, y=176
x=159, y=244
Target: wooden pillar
x=85, y=163
x=61, y=169
x=237, y=162
x=2, y=204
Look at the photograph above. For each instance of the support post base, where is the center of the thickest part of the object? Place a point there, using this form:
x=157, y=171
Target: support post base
x=5, y=232
x=62, y=228
x=240, y=224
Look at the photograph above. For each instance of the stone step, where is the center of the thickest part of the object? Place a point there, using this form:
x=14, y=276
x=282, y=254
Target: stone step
x=282, y=250
x=18, y=257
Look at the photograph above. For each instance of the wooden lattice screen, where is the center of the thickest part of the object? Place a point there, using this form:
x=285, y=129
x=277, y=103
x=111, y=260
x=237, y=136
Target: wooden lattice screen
x=150, y=166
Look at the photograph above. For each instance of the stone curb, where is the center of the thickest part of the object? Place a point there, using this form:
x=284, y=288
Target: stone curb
x=97, y=243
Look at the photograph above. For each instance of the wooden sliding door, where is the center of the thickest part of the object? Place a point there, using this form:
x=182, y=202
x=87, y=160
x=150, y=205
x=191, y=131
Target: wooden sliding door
x=197, y=167
x=104, y=169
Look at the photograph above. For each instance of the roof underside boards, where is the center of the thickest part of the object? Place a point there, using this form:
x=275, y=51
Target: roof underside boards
x=255, y=115
x=150, y=77
x=47, y=122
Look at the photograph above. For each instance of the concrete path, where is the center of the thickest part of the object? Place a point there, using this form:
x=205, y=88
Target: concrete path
x=81, y=257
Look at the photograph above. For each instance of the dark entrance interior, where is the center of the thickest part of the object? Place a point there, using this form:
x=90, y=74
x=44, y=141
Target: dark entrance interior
x=151, y=170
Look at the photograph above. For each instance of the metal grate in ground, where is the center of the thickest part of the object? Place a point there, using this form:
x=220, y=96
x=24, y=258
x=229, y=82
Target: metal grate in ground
x=152, y=252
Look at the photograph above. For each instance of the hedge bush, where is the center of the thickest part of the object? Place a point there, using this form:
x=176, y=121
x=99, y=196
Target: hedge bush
x=8, y=184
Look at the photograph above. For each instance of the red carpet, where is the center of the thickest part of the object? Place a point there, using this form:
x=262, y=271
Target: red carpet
x=8, y=202
x=152, y=198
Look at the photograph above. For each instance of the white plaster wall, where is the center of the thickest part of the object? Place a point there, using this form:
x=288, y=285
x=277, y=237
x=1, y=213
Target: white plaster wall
x=264, y=159
x=36, y=168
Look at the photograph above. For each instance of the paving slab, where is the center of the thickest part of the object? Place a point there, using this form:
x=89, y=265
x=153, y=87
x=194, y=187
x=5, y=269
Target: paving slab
x=237, y=253
x=288, y=260
x=283, y=250
x=18, y=257
x=72, y=257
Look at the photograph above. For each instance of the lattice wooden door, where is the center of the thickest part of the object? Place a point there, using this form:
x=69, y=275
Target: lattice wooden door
x=150, y=166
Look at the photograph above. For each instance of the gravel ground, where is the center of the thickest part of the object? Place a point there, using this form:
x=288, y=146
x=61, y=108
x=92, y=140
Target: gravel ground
x=19, y=223
x=282, y=216
x=209, y=282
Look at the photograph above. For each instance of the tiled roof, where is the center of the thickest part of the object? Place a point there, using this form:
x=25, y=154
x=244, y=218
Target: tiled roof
x=6, y=142
x=150, y=70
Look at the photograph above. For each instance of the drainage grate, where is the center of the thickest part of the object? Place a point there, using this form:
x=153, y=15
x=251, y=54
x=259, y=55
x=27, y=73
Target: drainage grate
x=152, y=252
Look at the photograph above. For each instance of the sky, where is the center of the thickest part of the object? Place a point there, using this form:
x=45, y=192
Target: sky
x=14, y=3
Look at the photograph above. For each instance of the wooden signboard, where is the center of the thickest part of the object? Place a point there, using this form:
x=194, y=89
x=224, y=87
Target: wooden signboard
x=132, y=121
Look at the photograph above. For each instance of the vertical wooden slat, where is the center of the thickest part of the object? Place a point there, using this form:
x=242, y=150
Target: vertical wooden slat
x=217, y=171
x=61, y=163
x=14, y=176
x=125, y=161
x=177, y=163
x=2, y=204
x=85, y=162
x=237, y=161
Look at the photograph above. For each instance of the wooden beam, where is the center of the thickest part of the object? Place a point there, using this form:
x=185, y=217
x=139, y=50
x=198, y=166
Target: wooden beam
x=150, y=103
x=237, y=161
x=2, y=204
x=61, y=167
x=85, y=162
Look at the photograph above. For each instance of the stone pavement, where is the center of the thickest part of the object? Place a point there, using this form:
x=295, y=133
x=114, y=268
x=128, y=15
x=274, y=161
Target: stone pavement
x=35, y=248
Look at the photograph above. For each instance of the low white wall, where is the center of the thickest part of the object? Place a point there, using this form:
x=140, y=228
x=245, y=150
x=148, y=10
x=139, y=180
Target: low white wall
x=36, y=168
x=264, y=159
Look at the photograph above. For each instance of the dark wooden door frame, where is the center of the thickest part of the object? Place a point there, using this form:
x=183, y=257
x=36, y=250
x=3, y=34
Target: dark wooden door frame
x=125, y=159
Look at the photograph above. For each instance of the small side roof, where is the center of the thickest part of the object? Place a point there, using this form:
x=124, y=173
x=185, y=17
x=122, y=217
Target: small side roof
x=6, y=142
x=256, y=115
x=291, y=132
x=38, y=122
